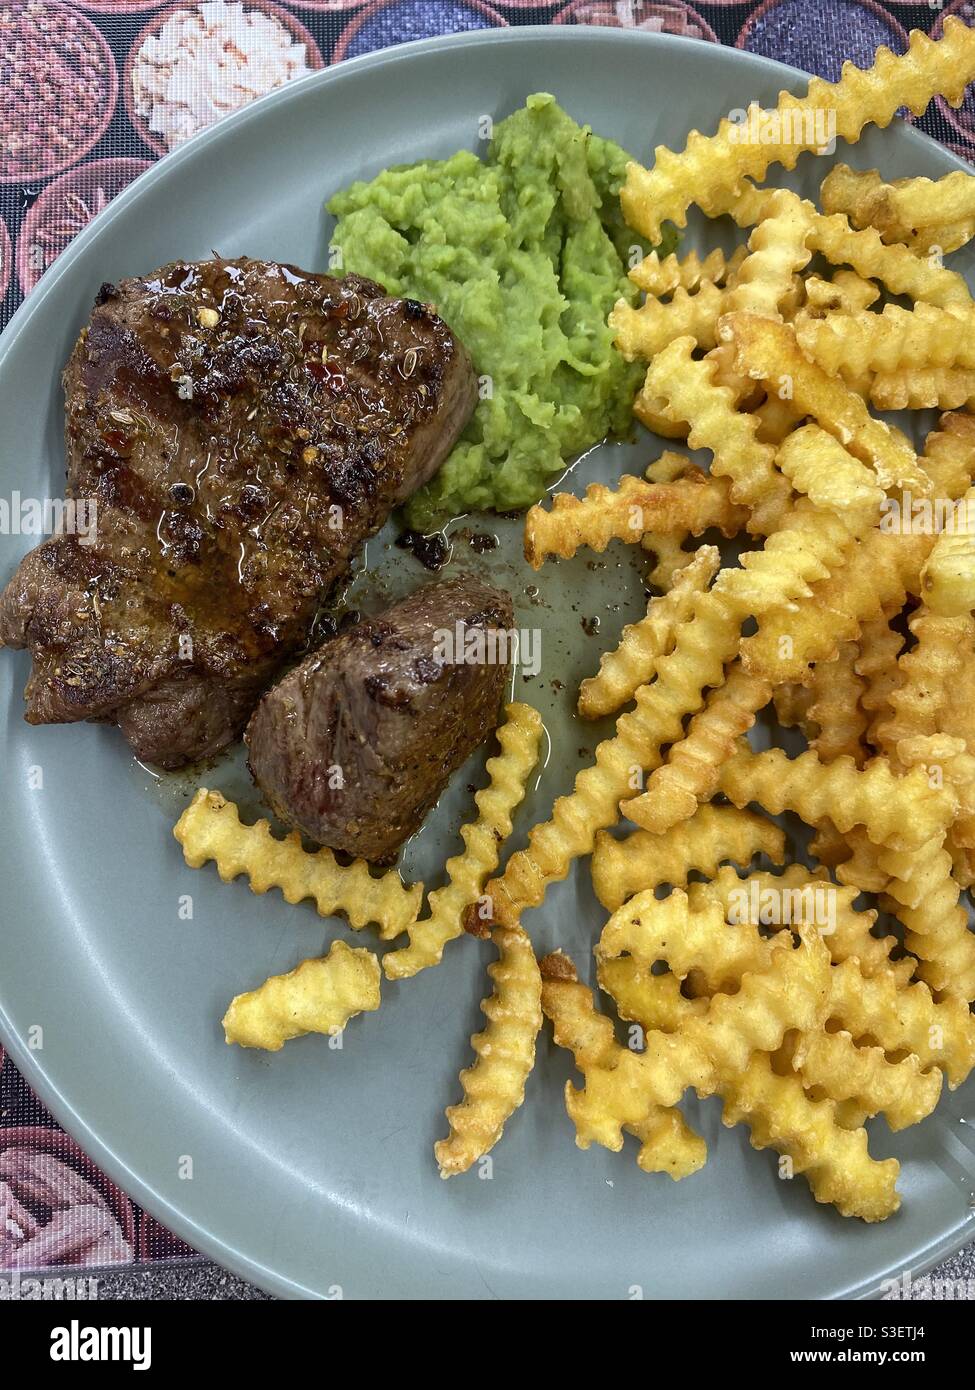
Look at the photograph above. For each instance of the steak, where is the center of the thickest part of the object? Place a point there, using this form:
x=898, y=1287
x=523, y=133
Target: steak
x=355, y=745
x=241, y=428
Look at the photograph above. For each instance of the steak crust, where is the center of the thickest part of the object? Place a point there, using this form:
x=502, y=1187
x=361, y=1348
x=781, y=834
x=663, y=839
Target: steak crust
x=242, y=427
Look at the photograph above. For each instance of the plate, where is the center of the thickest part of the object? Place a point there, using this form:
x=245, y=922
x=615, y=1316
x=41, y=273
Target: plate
x=310, y=1172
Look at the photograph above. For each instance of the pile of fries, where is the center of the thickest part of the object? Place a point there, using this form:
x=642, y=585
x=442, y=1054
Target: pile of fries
x=847, y=616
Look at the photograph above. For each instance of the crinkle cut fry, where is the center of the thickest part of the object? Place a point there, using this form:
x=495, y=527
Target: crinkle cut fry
x=835, y=1160
x=519, y=737
x=948, y=576
x=318, y=996
x=900, y=812
x=876, y=577
x=711, y=166
x=703, y=645
x=630, y=664
x=916, y=211
x=921, y=278
x=494, y=1086
x=689, y=392
x=667, y=1143
x=777, y=252
x=926, y=675
x=712, y=836
x=662, y=277
x=853, y=934
x=835, y=710
x=770, y=353
x=687, y=937
x=210, y=828
x=926, y=898
x=901, y=1090
x=921, y=388
x=626, y=513
x=893, y=339
x=690, y=774
x=639, y=332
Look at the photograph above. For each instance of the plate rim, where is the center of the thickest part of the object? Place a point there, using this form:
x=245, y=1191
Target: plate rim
x=204, y=1240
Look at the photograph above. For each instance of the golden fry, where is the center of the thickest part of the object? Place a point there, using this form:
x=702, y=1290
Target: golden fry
x=519, y=736
x=901, y=812
x=711, y=166
x=626, y=513
x=769, y=352
x=714, y=835
x=632, y=663
x=210, y=828
x=690, y=774
x=318, y=996
x=494, y=1086
x=667, y=1143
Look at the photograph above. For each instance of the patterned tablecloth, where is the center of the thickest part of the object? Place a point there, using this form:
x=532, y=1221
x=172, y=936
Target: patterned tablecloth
x=90, y=94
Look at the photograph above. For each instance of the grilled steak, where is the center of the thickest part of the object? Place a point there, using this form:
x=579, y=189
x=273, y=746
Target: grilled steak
x=354, y=746
x=241, y=427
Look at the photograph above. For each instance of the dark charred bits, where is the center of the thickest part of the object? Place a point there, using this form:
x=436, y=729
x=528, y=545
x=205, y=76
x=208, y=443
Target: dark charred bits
x=590, y=626
x=431, y=551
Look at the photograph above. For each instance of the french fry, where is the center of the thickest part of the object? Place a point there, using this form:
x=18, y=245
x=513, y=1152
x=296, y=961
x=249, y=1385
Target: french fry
x=835, y=1161
x=623, y=670
x=946, y=756
x=948, y=576
x=900, y=1091
x=839, y=719
x=919, y=212
x=318, y=996
x=845, y=293
x=688, y=392
x=880, y=571
x=861, y=870
x=769, y=352
x=662, y=277
x=904, y=1018
x=654, y=1001
x=901, y=812
x=641, y=332
x=923, y=388
x=922, y=278
x=651, y=929
x=702, y=646
x=925, y=676
x=792, y=893
x=818, y=466
x=519, y=736
x=891, y=340
x=690, y=774
x=667, y=1143
x=880, y=646
x=210, y=828
x=714, y=165
x=777, y=250
x=714, y=835
x=925, y=896
x=494, y=1086
x=627, y=513
x=833, y=1062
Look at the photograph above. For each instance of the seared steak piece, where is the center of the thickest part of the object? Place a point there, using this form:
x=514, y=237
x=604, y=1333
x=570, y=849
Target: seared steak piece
x=242, y=427
x=354, y=746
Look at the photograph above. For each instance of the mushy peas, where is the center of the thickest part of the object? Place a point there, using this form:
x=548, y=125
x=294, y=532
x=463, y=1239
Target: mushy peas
x=523, y=254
